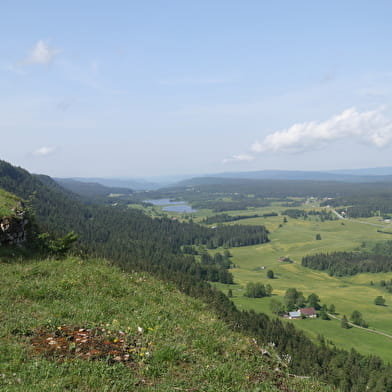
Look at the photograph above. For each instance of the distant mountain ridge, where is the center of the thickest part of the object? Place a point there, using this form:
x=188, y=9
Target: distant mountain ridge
x=90, y=189
x=377, y=174
x=373, y=171
x=350, y=176
x=127, y=183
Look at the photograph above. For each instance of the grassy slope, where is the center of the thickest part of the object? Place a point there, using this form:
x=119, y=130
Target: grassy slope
x=189, y=349
x=297, y=238
x=7, y=202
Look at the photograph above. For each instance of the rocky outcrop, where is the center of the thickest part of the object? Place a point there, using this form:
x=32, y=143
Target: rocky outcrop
x=13, y=228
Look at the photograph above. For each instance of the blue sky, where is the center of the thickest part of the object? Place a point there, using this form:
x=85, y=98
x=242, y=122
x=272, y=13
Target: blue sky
x=148, y=88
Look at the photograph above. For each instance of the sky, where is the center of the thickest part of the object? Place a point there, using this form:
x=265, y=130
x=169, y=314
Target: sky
x=157, y=88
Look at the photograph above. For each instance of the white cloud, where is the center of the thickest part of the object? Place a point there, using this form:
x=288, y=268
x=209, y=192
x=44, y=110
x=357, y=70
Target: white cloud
x=371, y=126
x=44, y=151
x=41, y=53
x=239, y=157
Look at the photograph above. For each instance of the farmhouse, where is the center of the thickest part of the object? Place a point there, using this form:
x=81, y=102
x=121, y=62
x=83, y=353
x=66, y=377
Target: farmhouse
x=308, y=312
x=295, y=315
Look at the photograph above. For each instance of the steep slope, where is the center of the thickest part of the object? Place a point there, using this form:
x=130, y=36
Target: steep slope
x=13, y=219
x=8, y=203
x=148, y=336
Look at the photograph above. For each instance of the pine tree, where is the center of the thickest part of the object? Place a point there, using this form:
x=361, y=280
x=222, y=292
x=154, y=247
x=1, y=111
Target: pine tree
x=344, y=323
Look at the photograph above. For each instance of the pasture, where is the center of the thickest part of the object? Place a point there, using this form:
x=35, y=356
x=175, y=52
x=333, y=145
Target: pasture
x=297, y=238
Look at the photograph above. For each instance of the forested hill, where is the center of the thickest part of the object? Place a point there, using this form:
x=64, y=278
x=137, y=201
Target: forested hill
x=278, y=187
x=136, y=242
x=353, y=176
x=91, y=190
x=122, y=233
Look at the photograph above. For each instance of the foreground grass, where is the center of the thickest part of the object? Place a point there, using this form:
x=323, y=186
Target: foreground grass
x=186, y=347
x=7, y=202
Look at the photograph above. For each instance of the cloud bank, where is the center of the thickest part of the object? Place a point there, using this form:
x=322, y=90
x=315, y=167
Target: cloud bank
x=239, y=157
x=42, y=54
x=371, y=127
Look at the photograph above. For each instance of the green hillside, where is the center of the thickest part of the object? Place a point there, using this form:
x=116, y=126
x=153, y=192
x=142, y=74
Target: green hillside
x=7, y=202
x=149, y=337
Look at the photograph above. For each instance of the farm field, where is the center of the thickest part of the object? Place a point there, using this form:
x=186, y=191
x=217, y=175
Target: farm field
x=295, y=239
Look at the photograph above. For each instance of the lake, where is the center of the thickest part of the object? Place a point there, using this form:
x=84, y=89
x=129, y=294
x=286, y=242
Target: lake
x=172, y=206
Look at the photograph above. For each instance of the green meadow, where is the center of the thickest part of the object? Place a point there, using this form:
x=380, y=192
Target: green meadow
x=297, y=238
x=7, y=202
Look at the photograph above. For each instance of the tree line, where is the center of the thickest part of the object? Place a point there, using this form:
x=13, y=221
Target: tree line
x=296, y=213
x=348, y=263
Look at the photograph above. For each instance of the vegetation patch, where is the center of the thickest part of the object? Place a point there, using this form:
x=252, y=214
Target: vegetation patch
x=68, y=342
x=7, y=203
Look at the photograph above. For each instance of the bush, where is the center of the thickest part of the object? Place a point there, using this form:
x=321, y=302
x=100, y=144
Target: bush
x=380, y=301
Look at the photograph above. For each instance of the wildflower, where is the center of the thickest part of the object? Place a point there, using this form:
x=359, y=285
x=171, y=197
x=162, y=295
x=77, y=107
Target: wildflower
x=140, y=329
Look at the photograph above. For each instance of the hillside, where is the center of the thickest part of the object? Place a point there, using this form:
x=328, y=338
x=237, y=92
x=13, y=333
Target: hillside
x=172, y=342
x=91, y=189
x=8, y=202
x=136, y=242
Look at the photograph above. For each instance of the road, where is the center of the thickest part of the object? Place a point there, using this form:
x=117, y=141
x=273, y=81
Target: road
x=365, y=329
x=355, y=220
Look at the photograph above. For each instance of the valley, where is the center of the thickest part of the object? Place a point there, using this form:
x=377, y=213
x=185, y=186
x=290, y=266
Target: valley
x=297, y=238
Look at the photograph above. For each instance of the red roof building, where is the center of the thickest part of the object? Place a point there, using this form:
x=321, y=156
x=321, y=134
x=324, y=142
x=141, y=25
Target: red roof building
x=308, y=312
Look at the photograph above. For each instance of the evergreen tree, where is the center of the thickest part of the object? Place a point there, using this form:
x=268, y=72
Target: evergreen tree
x=379, y=300
x=344, y=322
x=270, y=274
x=313, y=301
x=277, y=307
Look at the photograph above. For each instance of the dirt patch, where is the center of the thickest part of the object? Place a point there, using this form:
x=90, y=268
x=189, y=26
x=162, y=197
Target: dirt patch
x=89, y=344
